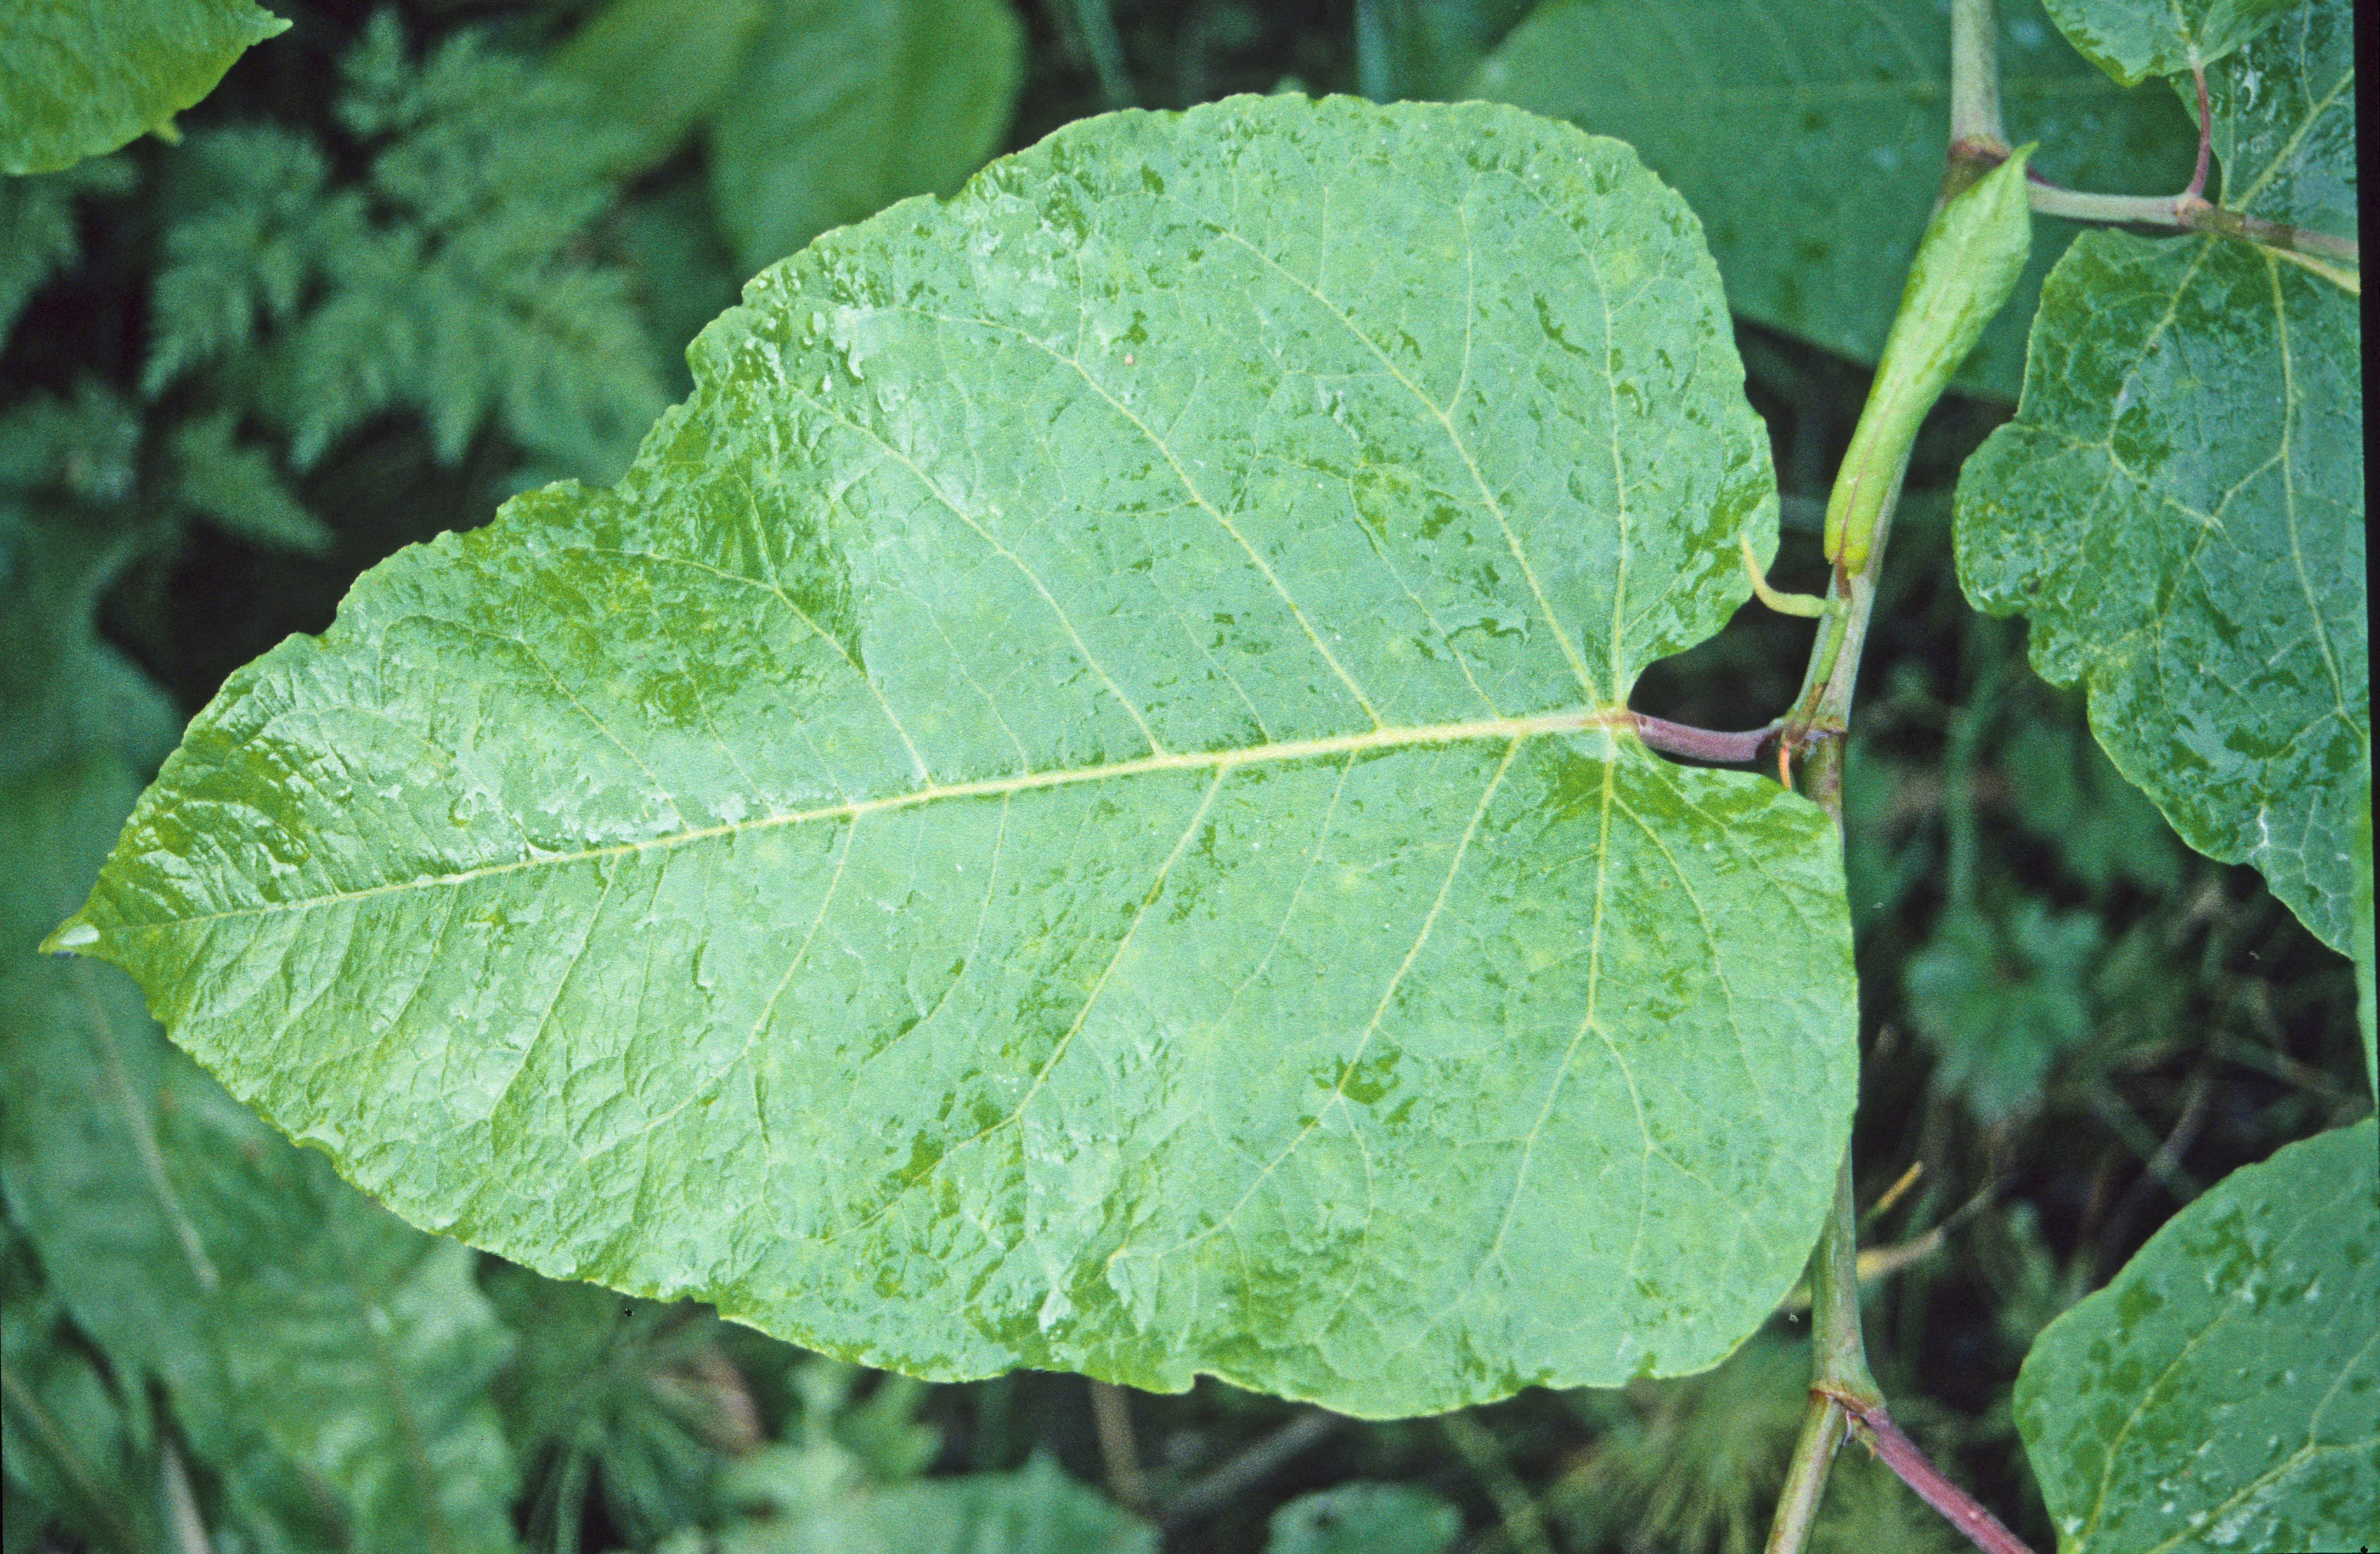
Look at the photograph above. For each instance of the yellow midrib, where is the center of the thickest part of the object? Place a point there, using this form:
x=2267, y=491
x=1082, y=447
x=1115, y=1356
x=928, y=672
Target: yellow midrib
x=1575, y=720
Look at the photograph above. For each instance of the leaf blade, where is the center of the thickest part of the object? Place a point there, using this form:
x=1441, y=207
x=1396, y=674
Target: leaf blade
x=1140, y=797
x=82, y=79
x=2224, y=1385
x=2178, y=507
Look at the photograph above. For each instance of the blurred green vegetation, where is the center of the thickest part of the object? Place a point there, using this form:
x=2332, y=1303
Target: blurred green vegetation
x=407, y=260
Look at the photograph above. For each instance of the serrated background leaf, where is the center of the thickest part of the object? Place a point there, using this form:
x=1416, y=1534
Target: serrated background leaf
x=2224, y=1391
x=846, y=105
x=2131, y=41
x=1809, y=138
x=1065, y=813
x=82, y=77
x=2179, y=504
x=326, y=1363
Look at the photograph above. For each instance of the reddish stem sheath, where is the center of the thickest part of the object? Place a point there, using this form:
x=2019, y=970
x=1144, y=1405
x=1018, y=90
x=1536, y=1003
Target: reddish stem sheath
x=1702, y=744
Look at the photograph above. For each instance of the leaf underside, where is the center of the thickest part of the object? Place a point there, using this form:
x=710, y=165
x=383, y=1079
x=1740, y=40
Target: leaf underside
x=1067, y=813
x=2179, y=504
x=2224, y=1391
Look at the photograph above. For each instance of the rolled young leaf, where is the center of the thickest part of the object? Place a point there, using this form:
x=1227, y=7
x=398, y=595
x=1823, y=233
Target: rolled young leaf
x=1075, y=808
x=1811, y=147
x=1967, y=263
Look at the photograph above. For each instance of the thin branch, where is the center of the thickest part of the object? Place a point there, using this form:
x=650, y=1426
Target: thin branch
x=1874, y=1264
x=1113, y=1414
x=1805, y=1475
x=2205, y=131
x=1899, y=1454
x=1250, y=1467
x=2188, y=213
x=189, y=1527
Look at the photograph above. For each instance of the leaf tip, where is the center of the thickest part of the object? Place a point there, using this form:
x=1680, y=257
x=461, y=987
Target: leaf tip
x=70, y=939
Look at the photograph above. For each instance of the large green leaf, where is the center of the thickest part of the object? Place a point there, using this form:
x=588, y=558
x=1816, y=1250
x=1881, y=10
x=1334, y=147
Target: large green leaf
x=329, y=1362
x=1076, y=807
x=844, y=106
x=82, y=77
x=1810, y=139
x=2179, y=504
x=2224, y=1393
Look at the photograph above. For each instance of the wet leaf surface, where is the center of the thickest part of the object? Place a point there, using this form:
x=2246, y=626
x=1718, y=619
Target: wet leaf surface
x=2134, y=42
x=1068, y=812
x=2224, y=1391
x=2179, y=504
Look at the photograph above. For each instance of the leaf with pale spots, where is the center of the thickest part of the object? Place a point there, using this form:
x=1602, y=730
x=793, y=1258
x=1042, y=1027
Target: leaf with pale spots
x=2224, y=1390
x=2179, y=504
x=1076, y=807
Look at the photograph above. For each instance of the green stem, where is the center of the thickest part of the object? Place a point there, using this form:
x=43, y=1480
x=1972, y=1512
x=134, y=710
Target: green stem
x=1975, y=75
x=1838, y=1352
x=1838, y=1374
x=1823, y=1427
x=2188, y=213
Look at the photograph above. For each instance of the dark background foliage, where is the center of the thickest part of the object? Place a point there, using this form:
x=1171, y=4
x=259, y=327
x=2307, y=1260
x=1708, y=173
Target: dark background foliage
x=397, y=268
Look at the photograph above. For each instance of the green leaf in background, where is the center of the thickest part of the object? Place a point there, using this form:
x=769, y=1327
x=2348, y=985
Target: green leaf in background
x=69, y=1451
x=329, y=1364
x=2062, y=789
x=37, y=227
x=1365, y=1519
x=2179, y=504
x=2224, y=1391
x=805, y=1502
x=2132, y=42
x=1810, y=139
x=81, y=76
x=239, y=488
x=61, y=687
x=844, y=106
x=1425, y=49
x=2002, y=999
x=658, y=65
x=1075, y=810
